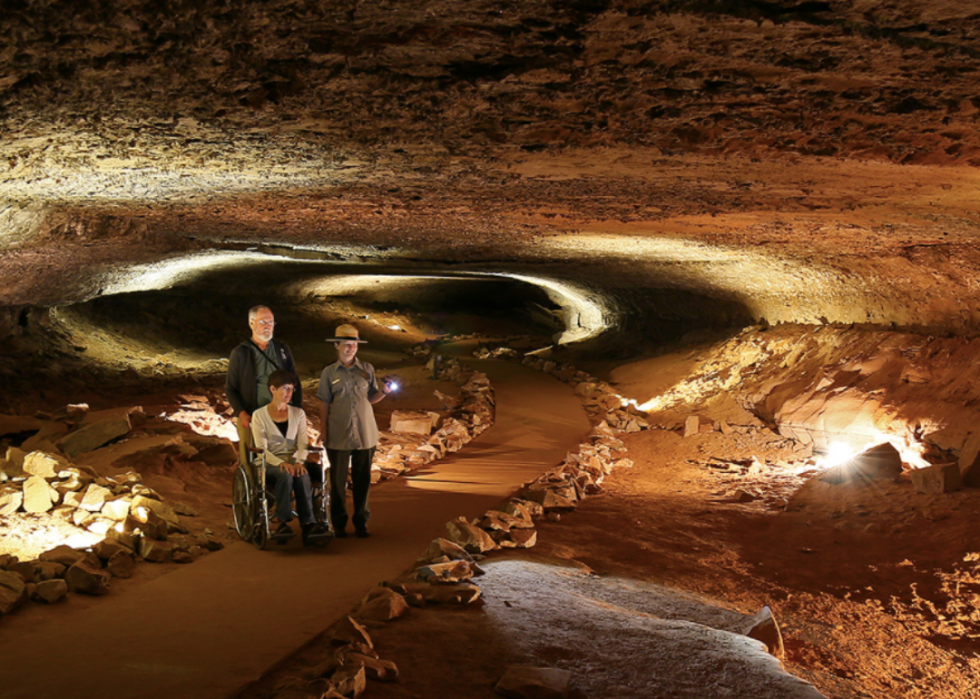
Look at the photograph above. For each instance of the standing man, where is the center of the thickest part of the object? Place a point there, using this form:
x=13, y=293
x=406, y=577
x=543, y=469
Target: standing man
x=348, y=389
x=249, y=367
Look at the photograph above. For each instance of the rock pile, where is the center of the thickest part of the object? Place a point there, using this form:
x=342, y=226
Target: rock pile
x=40, y=478
x=341, y=661
x=410, y=443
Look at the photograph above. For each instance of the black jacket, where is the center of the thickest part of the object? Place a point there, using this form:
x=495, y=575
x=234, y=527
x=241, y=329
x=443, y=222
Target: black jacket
x=241, y=385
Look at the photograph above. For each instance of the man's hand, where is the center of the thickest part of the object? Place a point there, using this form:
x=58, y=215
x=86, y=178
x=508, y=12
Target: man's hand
x=244, y=419
x=293, y=469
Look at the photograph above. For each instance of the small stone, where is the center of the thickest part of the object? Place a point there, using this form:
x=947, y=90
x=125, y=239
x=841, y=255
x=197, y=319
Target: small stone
x=27, y=570
x=350, y=681
x=347, y=630
x=470, y=537
x=155, y=551
x=185, y=510
x=100, y=429
x=122, y=564
x=938, y=479
x=444, y=548
x=50, y=591
x=49, y=570
x=382, y=604
x=375, y=668
x=524, y=538
x=534, y=683
x=692, y=426
x=87, y=579
x=10, y=500
x=157, y=507
x=451, y=571
x=37, y=495
x=459, y=593
x=107, y=548
x=94, y=498
x=116, y=510
x=65, y=555
x=38, y=463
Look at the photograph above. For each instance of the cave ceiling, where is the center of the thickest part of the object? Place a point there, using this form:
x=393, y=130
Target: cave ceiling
x=796, y=161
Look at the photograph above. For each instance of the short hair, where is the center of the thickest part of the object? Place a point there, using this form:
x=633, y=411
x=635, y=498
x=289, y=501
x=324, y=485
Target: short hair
x=254, y=311
x=280, y=377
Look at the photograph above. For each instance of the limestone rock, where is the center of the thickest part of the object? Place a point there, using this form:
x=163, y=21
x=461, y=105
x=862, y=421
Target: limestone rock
x=412, y=422
x=458, y=593
x=49, y=570
x=116, y=509
x=37, y=495
x=38, y=463
x=50, y=591
x=443, y=547
x=347, y=630
x=382, y=604
x=155, y=551
x=375, y=668
x=85, y=578
x=27, y=570
x=350, y=680
x=10, y=500
x=470, y=537
x=94, y=498
x=65, y=555
x=107, y=548
x=763, y=627
x=550, y=500
x=692, y=426
x=98, y=429
x=534, y=683
x=159, y=508
x=451, y=571
x=122, y=564
x=937, y=479
x=524, y=538
x=12, y=591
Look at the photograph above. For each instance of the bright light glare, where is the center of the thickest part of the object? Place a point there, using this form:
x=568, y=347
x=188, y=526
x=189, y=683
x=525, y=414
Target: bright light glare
x=837, y=453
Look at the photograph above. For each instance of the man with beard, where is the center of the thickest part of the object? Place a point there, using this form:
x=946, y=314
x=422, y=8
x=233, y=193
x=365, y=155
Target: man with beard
x=249, y=368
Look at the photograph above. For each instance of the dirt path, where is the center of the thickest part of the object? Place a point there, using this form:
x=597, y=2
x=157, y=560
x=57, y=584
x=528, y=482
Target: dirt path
x=199, y=631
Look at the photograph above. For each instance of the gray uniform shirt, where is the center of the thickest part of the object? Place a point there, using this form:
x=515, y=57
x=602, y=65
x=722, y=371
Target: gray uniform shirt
x=348, y=392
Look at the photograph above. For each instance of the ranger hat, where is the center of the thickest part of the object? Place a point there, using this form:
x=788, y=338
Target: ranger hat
x=346, y=333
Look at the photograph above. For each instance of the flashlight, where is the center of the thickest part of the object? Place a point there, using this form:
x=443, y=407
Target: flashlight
x=392, y=385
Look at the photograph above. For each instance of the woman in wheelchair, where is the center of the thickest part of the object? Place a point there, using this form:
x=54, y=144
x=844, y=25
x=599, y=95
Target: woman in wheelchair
x=280, y=431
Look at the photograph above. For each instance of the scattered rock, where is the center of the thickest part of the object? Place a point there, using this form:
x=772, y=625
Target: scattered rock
x=375, y=668
x=38, y=463
x=37, y=495
x=937, y=479
x=458, y=593
x=65, y=555
x=50, y=591
x=85, y=578
x=382, y=604
x=101, y=428
x=469, y=536
x=94, y=498
x=347, y=630
x=692, y=426
x=10, y=500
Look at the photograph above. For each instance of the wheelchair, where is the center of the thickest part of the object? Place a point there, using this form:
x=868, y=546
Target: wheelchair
x=252, y=503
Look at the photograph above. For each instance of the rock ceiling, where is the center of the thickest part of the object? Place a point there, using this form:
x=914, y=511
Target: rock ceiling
x=720, y=160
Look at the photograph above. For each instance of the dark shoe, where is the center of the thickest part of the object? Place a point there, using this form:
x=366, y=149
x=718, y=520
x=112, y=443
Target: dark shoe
x=283, y=533
x=340, y=533
x=316, y=535
x=362, y=533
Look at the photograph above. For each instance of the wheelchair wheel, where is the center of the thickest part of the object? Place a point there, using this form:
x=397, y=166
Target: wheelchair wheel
x=243, y=506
